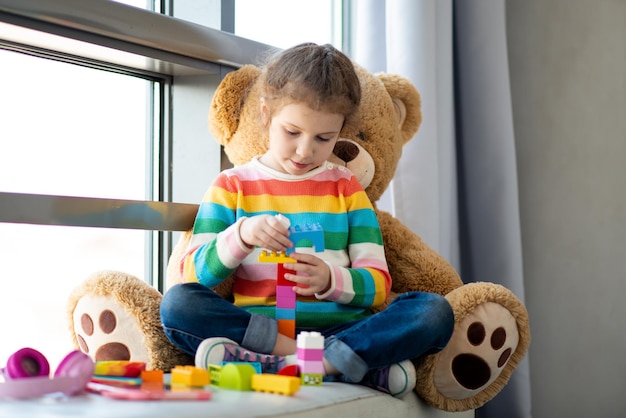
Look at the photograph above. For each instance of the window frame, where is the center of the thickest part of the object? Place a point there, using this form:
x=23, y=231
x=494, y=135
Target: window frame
x=187, y=58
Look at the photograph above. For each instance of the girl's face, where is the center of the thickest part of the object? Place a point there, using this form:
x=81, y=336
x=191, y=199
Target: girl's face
x=301, y=138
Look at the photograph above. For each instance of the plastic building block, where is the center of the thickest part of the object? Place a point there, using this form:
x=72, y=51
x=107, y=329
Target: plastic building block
x=190, y=376
x=310, y=354
x=310, y=339
x=285, y=303
x=312, y=379
x=274, y=257
x=280, y=276
x=288, y=314
x=289, y=370
x=237, y=376
x=215, y=372
x=287, y=327
x=119, y=368
x=285, y=296
x=257, y=366
x=152, y=376
x=313, y=233
x=275, y=383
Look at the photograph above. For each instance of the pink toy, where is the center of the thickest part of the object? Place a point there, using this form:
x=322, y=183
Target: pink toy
x=310, y=355
x=147, y=394
x=26, y=362
x=27, y=375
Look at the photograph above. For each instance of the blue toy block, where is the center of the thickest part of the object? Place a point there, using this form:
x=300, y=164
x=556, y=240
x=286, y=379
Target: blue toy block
x=285, y=313
x=312, y=232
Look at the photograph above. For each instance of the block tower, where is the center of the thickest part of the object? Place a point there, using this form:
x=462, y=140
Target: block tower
x=310, y=357
x=285, y=296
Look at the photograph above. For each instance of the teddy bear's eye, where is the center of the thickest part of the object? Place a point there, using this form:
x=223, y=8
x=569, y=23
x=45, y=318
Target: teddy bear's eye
x=361, y=136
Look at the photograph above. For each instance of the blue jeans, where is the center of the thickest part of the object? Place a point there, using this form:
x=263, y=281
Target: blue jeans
x=413, y=325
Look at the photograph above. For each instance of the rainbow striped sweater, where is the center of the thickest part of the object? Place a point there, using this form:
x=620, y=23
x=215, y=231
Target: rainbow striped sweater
x=329, y=195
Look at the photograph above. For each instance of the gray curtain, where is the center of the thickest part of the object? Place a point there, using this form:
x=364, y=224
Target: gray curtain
x=489, y=210
x=456, y=185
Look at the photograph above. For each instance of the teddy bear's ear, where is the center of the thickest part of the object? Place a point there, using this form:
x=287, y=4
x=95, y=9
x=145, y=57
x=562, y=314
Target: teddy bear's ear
x=407, y=102
x=228, y=100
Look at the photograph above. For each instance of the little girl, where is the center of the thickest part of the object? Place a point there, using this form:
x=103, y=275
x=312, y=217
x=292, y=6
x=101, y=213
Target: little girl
x=309, y=93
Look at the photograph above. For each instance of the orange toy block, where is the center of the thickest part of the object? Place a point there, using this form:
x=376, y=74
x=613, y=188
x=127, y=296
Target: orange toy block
x=287, y=327
x=152, y=376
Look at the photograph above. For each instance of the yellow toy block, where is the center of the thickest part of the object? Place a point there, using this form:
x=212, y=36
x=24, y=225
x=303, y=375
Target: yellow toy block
x=190, y=376
x=274, y=257
x=275, y=383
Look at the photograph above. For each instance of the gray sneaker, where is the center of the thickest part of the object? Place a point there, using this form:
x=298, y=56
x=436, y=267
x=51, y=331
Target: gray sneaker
x=219, y=349
x=396, y=380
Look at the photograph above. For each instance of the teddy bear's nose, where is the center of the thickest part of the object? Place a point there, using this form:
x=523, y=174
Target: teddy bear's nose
x=346, y=151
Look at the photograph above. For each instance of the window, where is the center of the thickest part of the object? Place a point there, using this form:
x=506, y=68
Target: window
x=72, y=130
x=67, y=130
x=96, y=111
x=284, y=23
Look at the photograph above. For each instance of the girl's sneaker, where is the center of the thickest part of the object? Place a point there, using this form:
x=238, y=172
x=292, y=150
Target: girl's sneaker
x=396, y=380
x=219, y=349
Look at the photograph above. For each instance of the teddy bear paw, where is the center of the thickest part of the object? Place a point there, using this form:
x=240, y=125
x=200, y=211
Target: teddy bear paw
x=480, y=347
x=106, y=331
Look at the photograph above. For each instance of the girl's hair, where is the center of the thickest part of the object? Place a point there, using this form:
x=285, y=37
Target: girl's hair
x=320, y=76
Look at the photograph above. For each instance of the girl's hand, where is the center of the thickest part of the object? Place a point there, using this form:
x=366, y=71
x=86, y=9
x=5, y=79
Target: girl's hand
x=312, y=274
x=265, y=231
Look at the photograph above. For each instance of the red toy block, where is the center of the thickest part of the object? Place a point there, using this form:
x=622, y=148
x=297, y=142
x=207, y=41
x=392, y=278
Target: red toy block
x=290, y=370
x=280, y=276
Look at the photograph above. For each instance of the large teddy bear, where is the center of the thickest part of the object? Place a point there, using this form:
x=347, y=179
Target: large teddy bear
x=491, y=332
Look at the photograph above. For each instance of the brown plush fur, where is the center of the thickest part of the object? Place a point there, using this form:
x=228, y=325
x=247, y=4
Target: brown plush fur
x=464, y=301
x=142, y=302
x=389, y=117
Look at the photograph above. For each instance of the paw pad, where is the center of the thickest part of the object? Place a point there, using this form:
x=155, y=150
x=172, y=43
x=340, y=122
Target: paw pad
x=479, y=349
x=98, y=328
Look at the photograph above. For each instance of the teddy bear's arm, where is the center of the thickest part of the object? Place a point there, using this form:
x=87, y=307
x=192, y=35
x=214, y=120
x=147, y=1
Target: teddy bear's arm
x=413, y=265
